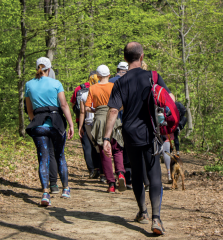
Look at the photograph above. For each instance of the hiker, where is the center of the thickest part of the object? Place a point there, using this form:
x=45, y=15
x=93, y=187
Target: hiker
x=84, y=139
x=122, y=69
x=54, y=189
x=88, y=118
x=183, y=120
x=98, y=96
x=131, y=92
x=46, y=104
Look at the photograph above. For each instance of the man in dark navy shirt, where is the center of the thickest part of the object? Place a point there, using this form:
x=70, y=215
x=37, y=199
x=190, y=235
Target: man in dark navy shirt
x=131, y=92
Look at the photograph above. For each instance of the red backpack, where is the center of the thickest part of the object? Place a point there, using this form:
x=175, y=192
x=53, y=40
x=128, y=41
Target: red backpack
x=164, y=106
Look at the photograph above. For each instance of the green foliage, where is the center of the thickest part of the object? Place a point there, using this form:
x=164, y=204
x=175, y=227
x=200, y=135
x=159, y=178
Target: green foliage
x=89, y=33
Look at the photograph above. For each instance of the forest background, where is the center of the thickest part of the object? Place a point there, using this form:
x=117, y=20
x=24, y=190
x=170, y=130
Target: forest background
x=182, y=40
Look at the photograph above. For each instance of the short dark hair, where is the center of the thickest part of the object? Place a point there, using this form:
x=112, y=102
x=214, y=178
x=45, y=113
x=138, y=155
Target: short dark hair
x=133, y=51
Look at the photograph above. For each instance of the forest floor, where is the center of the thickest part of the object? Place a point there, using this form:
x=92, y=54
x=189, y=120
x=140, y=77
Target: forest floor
x=91, y=213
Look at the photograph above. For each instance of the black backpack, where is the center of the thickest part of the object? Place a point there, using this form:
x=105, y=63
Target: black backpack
x=182, y=110
x=76, y=107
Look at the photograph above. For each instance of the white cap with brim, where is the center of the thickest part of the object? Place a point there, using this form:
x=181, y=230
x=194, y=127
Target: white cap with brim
x=45, y=61
x=123, y=66
x=103, y=71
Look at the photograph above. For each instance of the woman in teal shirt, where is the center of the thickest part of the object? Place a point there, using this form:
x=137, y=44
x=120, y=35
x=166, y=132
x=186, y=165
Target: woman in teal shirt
x=46, y=104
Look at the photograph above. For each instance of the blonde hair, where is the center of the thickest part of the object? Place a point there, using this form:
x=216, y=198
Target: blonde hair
x=93, y=79
x=144, y=65
x=39, y=72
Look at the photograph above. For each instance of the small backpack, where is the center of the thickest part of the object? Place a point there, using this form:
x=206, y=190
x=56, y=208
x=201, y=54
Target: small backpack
x=76, y=107
x=164, y=106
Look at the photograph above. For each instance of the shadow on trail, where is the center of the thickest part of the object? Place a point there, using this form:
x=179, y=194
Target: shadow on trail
x=17, y=185
x=32, y=230
x=60, y=214
x=24, y=196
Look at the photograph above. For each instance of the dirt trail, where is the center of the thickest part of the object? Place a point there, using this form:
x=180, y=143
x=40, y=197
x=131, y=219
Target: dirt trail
x=92, y=213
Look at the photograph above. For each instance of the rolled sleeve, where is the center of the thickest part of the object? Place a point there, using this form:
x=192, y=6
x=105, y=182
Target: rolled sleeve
x=115, y=100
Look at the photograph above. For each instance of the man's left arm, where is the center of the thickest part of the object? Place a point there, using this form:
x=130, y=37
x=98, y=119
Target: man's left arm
x=114, y=104
x=110, y=122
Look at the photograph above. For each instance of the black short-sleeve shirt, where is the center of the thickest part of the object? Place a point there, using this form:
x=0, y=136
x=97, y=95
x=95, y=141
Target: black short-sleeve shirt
x=132, y=91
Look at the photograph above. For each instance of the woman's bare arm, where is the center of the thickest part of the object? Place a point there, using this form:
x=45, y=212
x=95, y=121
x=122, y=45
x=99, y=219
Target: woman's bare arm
x=29, y=108
x=66, y=110
x=81, y=118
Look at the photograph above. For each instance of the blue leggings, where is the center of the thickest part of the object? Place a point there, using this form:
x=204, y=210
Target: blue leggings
x=41, y=137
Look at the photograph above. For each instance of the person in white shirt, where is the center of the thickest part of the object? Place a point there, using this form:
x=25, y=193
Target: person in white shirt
x=86, y=121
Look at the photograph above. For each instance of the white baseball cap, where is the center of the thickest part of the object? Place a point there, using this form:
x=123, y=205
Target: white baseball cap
x=45, y=61
x=123, y=66
x=103, y=71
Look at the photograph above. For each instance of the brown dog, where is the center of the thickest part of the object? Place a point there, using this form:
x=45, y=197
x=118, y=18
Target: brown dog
x=176, y=168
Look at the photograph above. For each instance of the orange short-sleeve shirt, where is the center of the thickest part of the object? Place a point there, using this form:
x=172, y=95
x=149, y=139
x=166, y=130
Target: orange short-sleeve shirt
x=99, y=94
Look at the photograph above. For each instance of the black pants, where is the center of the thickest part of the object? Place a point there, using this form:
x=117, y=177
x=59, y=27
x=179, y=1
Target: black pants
x=90, y=154
x=176, y=141
x=53, y=165
x=127, y=166
x=153, y=170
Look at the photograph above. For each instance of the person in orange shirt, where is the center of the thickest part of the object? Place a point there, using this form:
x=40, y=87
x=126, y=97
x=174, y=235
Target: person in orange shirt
x=99, y=95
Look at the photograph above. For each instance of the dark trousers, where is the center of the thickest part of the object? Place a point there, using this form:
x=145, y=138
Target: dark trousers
x=87, y=148
x=176, y=141
x=53, y=165
x=136, y=156
x=127, y=166
x=42, y=136
x=117, y=154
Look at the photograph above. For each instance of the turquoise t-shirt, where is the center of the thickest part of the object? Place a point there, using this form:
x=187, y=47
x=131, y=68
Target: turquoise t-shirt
x=43, y=92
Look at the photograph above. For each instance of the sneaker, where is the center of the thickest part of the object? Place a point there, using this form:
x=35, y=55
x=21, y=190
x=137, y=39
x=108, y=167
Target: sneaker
x=46, y=199
x=146, y=188
x=66, y=193
x=157, y=227
x=122, y=183
x=178, y=153
x=103, y=179
x=142, y=218
x=54, y=189
x=111, y=188
x=169, y=178
x=129, y=186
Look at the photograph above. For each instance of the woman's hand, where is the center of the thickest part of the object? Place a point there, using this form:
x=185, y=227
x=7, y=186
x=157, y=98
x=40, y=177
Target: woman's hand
x=70, y=132
x=107, y=148
x=81, y=132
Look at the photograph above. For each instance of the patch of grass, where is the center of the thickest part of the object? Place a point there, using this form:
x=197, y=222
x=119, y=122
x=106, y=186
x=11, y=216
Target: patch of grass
x=214, y=168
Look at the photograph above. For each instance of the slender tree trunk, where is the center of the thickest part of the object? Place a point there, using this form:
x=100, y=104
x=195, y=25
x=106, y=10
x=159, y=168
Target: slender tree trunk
x=20, y=69
x=185, y=73
x=50, y=10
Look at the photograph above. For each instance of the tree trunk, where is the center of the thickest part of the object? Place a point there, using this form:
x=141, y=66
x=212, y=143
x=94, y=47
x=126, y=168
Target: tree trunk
x=21, y=69
x=185, y=74
x=50, y=10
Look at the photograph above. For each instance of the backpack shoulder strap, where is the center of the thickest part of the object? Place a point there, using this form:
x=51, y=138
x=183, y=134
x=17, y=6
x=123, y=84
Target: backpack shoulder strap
x=154, y=76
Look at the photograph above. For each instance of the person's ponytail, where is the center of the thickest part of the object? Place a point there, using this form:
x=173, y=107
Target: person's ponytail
x=39, y=72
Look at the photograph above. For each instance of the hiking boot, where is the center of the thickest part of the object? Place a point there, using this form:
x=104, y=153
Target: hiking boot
x=111, y=188
x=96, y=174
x=66, y=193
x=91, y=173
x=46, y=199
x=157, y=227
x=122, y=182
x=146, y=188
x=103, y=179
x=54, y=189
x=142, y=218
